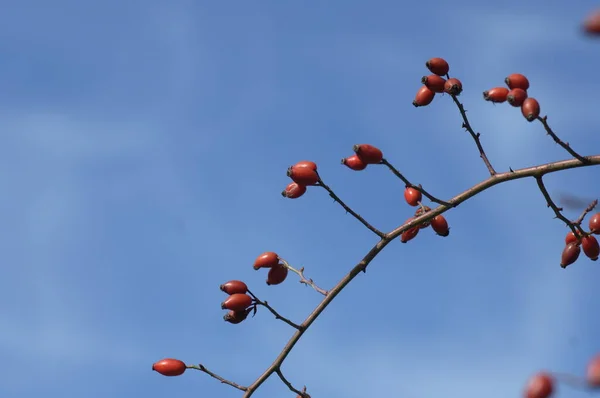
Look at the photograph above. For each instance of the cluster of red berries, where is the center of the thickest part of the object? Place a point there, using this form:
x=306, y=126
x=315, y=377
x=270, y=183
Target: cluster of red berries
x=591, y=25
x=364, y=155
x=435, y=83
x=516, y=95
x=438, y=223
x=542, y=385
x=303, y=174
x=589, y=243
x=239, y=303
x=277, y=271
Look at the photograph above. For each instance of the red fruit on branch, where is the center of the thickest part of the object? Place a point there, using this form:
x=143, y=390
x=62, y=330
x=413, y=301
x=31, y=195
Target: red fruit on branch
x=412, y=196
x=517, y=80
x=590, y=247
x=303, y=175
x=169, y=367
x=410, y=233
x=591, y=25
x=570, y=238
x=236, y=317
x=453, y=86
x=434, y=82
x=570, y=254
x=233, y=287
x=540, y=385
x=277, y=274
x=237, y=302
x=293, y=190
x=496, y=94
x=266, y=260
x=368, y=153
x=530, y=108
x=440, y=225
x=354, y=162
x=592, y=374
x=424, y=97
x=594, y=224
x=306, y=163
x=439, y=66
x=516, y=97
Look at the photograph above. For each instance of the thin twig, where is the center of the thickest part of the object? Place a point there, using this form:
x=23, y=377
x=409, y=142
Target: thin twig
x=277, y=315
x=300, y=273
x=534, y=171
x=588, y=209
x=202, y=368
x=565, y=145
x=467, y=126
x=550, y=203
x=349, y=210
x=287, y=383
x=417, y=187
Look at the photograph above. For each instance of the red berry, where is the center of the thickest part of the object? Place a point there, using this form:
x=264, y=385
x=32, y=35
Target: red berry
x=354, y=162
x=434, y=82
x=590, y=247
x=591, y=25
x=453, y=86
x=293, y=190
x=440, y=225
x=169, y=367
x=517, y=80
x=420, y=211
x=439, y=66
x=540, y=385
x=233, y=287
x=595, y=224
x=593, y=372
x=277, y=274
x=410, y=233
x=266, y=260
x=368, y=153
x=303, y=175
x=412, y=196
x=530, y=108
x=424, y=97
x=236, y=317
x=570, y=238
x=307, y=163
x=237, y=302
x=516, y=97
x=570, y=254
x=496, y=94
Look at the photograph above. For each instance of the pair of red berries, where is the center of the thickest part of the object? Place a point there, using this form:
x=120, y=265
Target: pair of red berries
x=277, y=272
x=439, y=224
x=435, y=83
x=303, y=174
x=239, y=303
x=516, y=95
x=364, y=155
x=589, y=244
x=541, y=385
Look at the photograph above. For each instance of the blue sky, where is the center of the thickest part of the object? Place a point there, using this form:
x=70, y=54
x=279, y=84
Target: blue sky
x=144, y=146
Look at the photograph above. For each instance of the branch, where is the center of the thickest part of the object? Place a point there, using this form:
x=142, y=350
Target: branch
x=300, y=272
x=467, y=126
x=417, y=187
x=201, y=368
x=349, y=210
x=550, y=203
x=565, y=145
x=277, y=315
x=288, y=384
x=588, y=209
x=379, y=246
